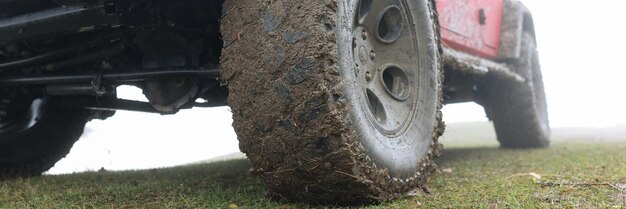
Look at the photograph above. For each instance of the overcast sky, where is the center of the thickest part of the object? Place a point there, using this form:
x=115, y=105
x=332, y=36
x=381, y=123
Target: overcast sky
x=581, y=45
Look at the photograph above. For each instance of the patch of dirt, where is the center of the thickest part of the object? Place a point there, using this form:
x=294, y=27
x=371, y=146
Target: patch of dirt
x=619, y=199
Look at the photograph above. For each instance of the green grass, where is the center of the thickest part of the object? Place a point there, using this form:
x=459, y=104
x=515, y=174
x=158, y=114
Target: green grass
x=574, y=175
x=580, y=175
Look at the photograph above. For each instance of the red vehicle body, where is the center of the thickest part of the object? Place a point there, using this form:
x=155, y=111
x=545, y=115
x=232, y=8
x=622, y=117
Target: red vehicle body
x=472, y=26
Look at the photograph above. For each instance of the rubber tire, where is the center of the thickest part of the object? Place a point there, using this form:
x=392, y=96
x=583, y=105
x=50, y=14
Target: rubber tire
x=35, y=150
x=519, y=110
x=286, y=64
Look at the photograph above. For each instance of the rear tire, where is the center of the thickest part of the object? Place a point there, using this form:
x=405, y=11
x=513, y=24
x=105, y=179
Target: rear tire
x=519, y=110
x=334, y=102
x=30, y=152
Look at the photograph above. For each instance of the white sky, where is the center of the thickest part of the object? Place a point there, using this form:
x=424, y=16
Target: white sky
x=581, y=45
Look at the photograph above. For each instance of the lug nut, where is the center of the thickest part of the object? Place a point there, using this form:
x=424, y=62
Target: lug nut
x=372, y=55
x=364, y=35
x=368, y=76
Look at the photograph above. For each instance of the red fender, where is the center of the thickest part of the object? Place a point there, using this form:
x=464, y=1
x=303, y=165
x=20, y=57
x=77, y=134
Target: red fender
x=471, y=26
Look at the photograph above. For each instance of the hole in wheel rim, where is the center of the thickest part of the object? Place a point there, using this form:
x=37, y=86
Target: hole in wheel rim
x=390, y=24
x=364, y=7
x=396, y=82
x=376, y=106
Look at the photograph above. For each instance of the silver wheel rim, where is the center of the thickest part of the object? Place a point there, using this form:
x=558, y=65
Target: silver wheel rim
x=386, y=65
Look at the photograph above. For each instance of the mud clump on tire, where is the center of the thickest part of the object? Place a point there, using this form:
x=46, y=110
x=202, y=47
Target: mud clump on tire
x=289, y=111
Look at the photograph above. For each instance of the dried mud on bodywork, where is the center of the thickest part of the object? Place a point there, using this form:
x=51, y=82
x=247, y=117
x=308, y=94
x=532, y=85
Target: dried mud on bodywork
x=286, y=95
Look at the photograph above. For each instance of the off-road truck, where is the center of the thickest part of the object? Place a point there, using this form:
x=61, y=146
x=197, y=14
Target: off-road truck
x=333, y=101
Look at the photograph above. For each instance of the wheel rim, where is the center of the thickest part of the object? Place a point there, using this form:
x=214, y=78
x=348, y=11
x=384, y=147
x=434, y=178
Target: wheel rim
x=23, y=121
x=385, y=56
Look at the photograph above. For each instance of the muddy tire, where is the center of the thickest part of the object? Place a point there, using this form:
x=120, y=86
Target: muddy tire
x=26, y=152
x=519, y=110
x=335, y=101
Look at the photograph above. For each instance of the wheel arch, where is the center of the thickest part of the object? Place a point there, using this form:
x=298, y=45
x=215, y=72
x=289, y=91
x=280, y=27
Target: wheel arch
x=516, y=20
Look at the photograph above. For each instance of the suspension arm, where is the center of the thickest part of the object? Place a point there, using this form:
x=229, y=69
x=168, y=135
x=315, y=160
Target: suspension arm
x=128, y=76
